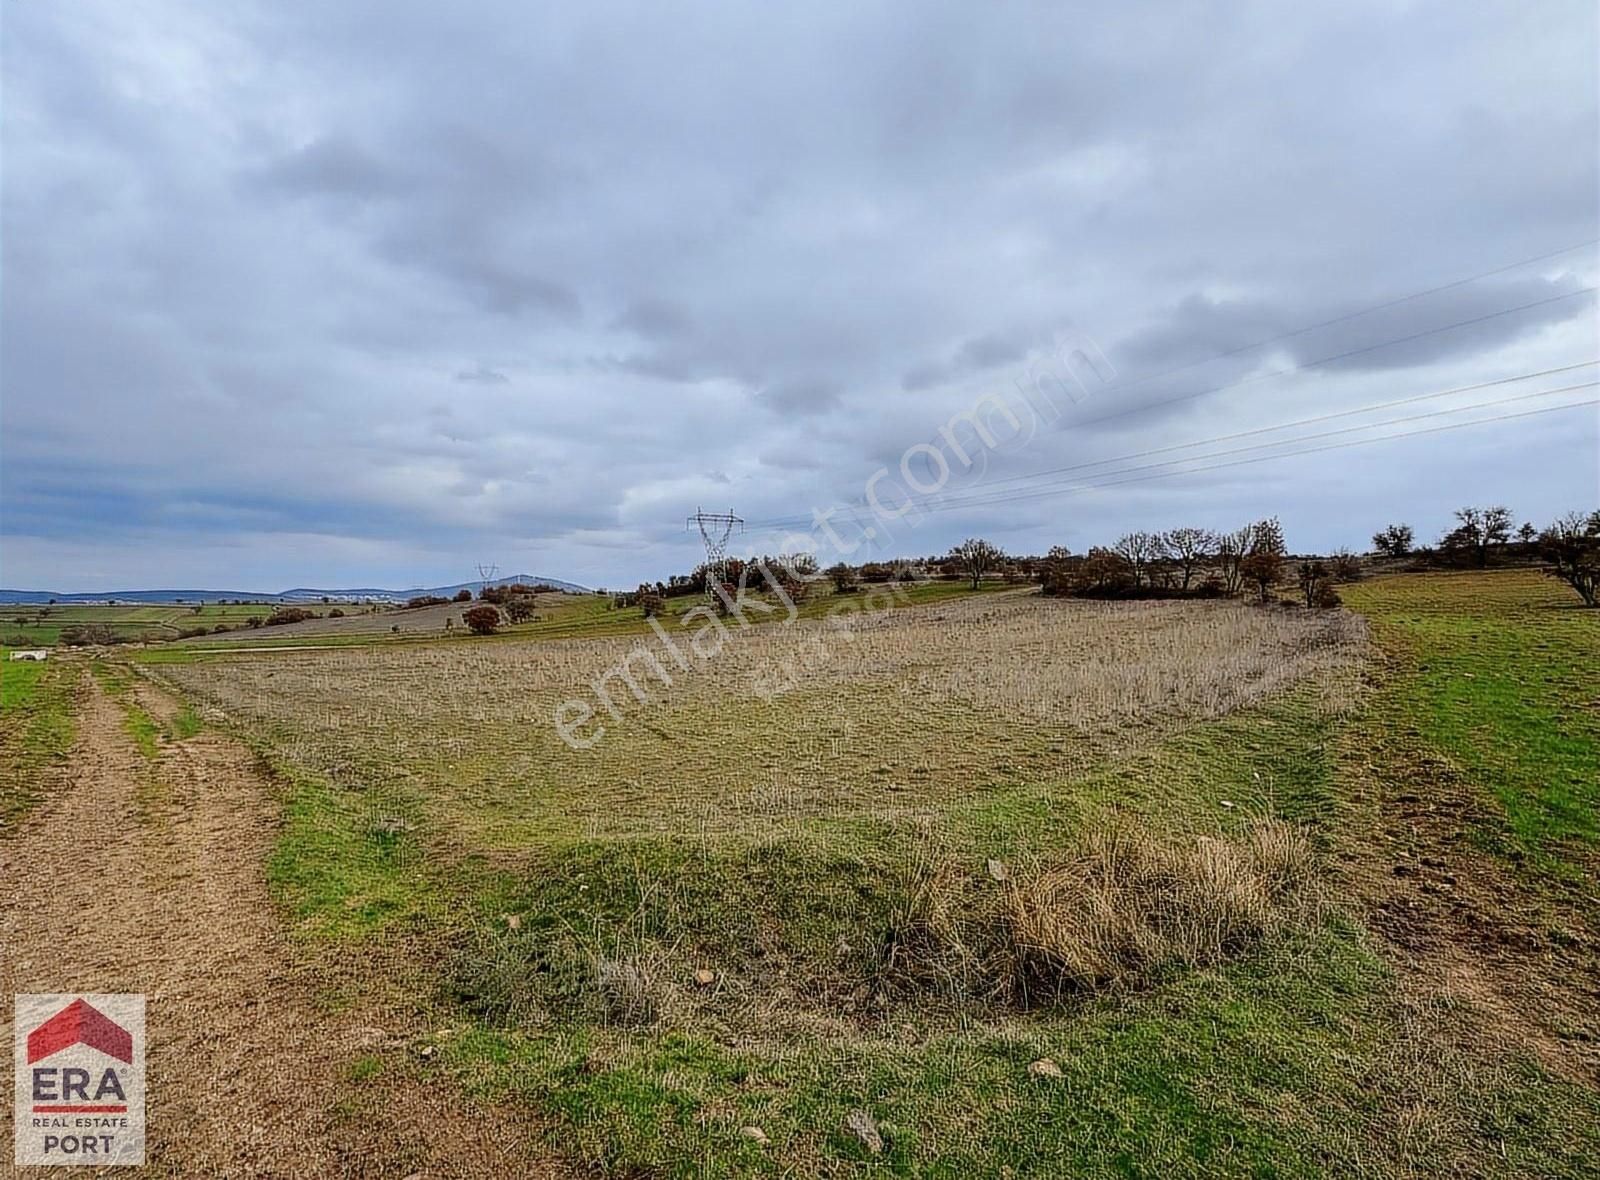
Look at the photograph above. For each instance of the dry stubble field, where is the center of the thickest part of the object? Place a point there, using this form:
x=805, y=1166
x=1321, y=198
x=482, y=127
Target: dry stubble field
x=992, y=890
x=906, y=712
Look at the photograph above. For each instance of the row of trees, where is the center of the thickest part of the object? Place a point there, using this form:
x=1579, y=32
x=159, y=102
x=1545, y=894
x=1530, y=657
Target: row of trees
x=1569, y=547
x=1183, y=561
x=1476, y=534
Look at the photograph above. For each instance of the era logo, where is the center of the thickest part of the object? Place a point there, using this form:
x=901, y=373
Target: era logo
x=79, y=1079
x=74, y=1083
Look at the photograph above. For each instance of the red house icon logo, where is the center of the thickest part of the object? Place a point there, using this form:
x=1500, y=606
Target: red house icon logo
x=80, y=1024
x=80, y=1077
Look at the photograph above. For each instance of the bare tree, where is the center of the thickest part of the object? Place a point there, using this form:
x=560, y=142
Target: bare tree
x=1054, y=570
x=1232, y=548
x=1313, y=576
x=976, y=557
x=1572, y=547
x=1139, y=550
x=1394, y=541
x=1478, y=529
x=1189, y=548
x=1260, y=568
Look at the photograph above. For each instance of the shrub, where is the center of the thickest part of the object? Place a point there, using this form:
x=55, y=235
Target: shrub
x=89, y=635
x=651, y=604
x=500, y=595
x=1394, y=541
x=844, y=578
x=629, y=987
x=520, y=610
x=288, y=614
x=1572, y=547
x=463, y=595
x=481, y=620
x=221, y=629
x=422, y=600
x=1261, y=570
x=336, y=613
x=191, y=632
x=1116, y=911
x=1344, y=566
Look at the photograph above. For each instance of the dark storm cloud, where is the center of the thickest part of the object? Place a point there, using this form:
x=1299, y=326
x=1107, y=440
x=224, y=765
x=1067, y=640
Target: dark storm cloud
x=400, y=289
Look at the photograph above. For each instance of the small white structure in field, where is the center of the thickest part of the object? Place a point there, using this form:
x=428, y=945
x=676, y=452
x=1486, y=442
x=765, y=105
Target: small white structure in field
x=37, y=653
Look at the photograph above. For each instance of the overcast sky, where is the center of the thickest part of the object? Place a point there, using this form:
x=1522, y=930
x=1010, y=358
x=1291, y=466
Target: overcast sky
x=363, y=294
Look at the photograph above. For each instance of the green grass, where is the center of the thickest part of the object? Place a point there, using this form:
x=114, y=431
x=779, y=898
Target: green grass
x=36, y=731
x=1289, y=1064
x=185, y=724
x=1497, y=672
x=42, y=625
x=136, y=723
x=348, y=864
x=588, y=616
x=1306, y=1056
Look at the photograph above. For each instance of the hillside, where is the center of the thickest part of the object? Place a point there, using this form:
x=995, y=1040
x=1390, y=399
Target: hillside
x=299, y=594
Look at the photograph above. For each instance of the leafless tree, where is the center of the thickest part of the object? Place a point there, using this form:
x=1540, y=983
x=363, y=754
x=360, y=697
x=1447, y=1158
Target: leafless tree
x=1260, y=568
x=1394, y=541
x=1188, y=548
x=1232, y=548
x=1478, y=529
x=1572, y=547
x=976, y=557
x=1235, y=548
x=1313, y=576
x=1139, y=550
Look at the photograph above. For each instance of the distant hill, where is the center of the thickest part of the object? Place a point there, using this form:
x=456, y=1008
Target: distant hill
x=300, y=594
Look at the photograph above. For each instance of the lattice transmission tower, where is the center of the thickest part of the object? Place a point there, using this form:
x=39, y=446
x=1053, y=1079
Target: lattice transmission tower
x=716, y=528
x=486, y=573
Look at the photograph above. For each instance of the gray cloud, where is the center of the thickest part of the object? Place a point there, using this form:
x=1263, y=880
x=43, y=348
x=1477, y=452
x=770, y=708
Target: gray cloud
x=482, y=375
x=270, y=268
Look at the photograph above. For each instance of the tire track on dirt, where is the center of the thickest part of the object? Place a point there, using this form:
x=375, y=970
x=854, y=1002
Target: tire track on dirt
x=143, y=877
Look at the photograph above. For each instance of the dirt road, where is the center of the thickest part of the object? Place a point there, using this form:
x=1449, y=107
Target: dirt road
x=148, y=875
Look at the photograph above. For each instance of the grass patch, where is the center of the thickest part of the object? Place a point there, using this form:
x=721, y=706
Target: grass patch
x=704, y=925
x=1292, y=1063
x=185, y=724
x=349, y=863
x=1496, y=672
x=37, y=731
x=142, y=728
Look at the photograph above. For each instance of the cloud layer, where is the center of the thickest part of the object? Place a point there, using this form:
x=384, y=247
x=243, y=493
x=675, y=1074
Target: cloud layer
x=368, y=292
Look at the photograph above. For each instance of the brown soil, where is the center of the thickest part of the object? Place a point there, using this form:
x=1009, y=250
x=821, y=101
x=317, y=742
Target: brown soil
x=1523, y=954
x=149, y=877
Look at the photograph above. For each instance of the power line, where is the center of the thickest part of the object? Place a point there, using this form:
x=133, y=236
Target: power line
x=1367, y=409
x=782, y=522
x=1099, y=486
x=1338, y=356
x=1357, y=314
x=1335, y=446
x=986, y=500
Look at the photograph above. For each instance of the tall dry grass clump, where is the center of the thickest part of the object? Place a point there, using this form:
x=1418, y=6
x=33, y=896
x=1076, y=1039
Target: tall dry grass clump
x=1114, y=912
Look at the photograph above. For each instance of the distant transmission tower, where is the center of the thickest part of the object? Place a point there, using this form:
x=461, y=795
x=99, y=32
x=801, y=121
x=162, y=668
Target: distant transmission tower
x=715, y=529
x=486, y=573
